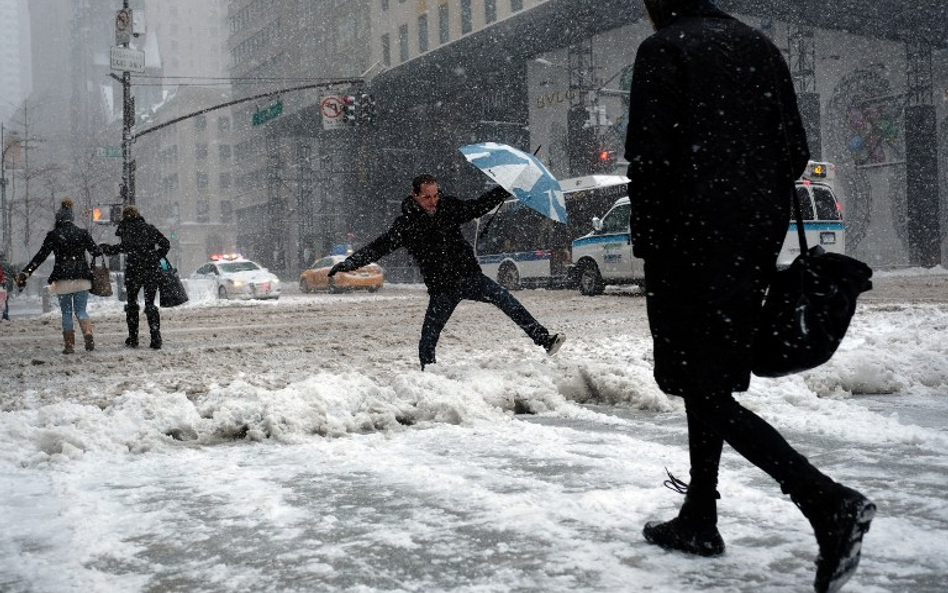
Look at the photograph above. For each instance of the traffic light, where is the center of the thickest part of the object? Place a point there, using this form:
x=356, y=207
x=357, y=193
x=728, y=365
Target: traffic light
x=350, y=109
x=107, y=213
x=366, y=109
x=607, y=160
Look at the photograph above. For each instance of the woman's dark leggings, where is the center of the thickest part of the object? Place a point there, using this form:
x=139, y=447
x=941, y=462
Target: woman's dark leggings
x=716, y=419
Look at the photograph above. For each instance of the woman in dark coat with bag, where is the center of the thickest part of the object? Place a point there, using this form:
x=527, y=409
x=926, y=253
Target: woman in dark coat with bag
x=144, y=247
x=71, y=278
x=715, y=143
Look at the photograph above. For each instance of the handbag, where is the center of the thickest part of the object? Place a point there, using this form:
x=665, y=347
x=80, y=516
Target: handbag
x=101, y=280
x=807, y=308
x=808, y=305
x=171, y=292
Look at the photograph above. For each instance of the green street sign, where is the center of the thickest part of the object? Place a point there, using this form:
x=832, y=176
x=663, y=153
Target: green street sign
x=264, y=115
x=111, y=152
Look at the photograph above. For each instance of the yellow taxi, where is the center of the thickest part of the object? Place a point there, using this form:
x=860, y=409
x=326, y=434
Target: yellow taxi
x=316, y=277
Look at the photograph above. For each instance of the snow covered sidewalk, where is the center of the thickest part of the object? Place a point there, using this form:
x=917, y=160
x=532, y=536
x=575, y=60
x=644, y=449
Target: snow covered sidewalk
x=295, y=446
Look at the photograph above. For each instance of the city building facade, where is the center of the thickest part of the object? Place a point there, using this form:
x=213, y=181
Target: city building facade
x=546, y=76
x=185, y=175
x=296, y=164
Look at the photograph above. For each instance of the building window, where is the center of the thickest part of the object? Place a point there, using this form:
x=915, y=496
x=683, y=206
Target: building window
x=223, y=123
x=200, y=122
x=203, y=206
x=403, y=43
x=384, y=4
x=201, y=180
x=200, y=152
x=223, y=152
x=227, y=212
x=224, y=181
x=490, y=11
x=467, y=22
x=386, y=50
x=444, y=24
x=423, y=33
x=516, y=5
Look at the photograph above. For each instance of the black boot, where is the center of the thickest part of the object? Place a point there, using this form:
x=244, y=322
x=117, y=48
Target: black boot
x=154, y=327
x=131, y=319
x=694, y=530
x=680, y=536
x=840, y=517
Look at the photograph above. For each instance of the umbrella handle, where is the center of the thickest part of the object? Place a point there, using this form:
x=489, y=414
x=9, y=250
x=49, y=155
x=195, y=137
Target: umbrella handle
x=487, y=225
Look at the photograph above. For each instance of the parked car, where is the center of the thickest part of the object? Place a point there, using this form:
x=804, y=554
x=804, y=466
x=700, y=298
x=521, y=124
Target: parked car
x=239, y=278
x=316, y=277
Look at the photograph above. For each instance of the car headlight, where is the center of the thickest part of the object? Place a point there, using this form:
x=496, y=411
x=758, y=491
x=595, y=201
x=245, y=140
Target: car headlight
x=236, y=283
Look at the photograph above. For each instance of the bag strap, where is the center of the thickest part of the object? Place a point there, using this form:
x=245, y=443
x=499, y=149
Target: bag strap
x=797, y=211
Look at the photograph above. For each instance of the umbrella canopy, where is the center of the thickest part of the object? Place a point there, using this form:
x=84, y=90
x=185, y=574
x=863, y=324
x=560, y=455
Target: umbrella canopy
x=521, y=174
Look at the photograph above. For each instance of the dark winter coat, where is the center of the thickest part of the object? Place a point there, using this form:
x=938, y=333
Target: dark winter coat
x=715, y=143
x=434, y=241
x=715, y=139
x=144, y=246
x=69, y=244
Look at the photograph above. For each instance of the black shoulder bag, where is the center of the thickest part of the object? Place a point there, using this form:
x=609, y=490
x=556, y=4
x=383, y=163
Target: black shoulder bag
x=807, y=309
x=171, y=291
x=809, y=305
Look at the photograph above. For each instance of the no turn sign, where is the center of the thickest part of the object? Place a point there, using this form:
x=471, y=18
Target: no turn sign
x=332, y=108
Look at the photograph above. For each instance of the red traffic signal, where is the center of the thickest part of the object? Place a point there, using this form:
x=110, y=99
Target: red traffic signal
x=350, y=109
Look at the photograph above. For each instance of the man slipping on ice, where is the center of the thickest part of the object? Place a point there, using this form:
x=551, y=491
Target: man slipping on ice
x=430, y=229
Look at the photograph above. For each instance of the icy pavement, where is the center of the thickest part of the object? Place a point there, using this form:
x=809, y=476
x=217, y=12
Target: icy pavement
x=294, y=446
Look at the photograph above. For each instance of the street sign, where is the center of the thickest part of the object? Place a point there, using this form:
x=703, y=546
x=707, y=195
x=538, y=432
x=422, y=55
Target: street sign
x=110, y=152
x=332, y=108
x=264, y=115
x=126, y=59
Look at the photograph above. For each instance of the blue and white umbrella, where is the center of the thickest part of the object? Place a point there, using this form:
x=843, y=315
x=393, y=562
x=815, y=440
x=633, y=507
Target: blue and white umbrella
x=521, y=174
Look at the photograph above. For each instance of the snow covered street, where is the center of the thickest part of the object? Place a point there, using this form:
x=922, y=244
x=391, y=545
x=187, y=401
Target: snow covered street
x=295, y=446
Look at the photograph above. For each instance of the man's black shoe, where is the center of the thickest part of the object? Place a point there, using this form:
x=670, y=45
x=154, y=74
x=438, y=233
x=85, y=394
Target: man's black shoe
x=679, y=536
x=840, y=538
x=131, y=343
x=553, y=342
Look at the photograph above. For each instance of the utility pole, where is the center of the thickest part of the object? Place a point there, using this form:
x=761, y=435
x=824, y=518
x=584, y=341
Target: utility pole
x=123, y=36
x=126, y=59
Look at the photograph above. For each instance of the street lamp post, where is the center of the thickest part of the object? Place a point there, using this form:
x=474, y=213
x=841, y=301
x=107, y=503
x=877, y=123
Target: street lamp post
x=121, y=58
x=128, y=120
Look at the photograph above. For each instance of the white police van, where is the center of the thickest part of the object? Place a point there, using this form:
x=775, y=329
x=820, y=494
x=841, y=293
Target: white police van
x=520, y=247
x=822, y=216
x=604, y=256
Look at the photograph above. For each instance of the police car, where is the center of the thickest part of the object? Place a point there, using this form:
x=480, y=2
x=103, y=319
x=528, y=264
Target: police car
x=604, y=256
x=822, y=216
x=239, y=278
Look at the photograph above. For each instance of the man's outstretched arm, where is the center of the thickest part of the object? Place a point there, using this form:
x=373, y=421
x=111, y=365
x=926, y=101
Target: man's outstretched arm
x=377, y=249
